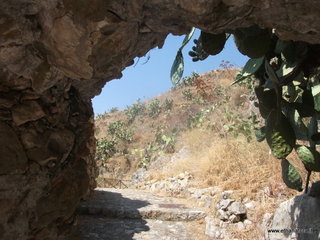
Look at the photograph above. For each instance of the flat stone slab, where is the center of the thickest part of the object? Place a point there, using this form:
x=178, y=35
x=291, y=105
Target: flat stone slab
x=95, y=228
x=137, y=204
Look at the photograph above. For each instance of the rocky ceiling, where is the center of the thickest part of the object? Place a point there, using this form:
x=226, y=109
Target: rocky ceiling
x=55, y=55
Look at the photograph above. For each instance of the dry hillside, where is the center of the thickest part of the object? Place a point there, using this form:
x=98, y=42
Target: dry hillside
x=205, y=114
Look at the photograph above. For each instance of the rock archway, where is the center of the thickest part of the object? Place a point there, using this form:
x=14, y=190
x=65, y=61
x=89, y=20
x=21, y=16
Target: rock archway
x=55, y=55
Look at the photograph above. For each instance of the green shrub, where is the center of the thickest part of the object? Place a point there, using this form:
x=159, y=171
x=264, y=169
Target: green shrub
x=165, y=141
x=197, y=120
x=99, y=116
x=105, y=148
x=120, y=131
x=189, y=81
x=168, y=104
x=235, y=125
x=154, y=108
x=187, y=94
x=114, y=109
x=135, y=110
x=186, y=81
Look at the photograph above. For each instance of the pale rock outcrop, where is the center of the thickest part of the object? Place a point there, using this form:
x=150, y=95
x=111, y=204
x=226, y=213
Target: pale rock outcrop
x=297, y=218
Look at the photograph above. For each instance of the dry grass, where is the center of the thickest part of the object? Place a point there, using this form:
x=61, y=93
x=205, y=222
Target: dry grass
x=228, y=163
x=233, y=164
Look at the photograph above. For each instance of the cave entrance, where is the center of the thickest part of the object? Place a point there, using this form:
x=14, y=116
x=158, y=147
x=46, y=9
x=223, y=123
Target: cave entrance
x=146, y=87
x=56, y=55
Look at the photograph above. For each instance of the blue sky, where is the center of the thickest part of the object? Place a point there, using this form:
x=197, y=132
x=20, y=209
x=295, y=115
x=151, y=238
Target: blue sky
x=150, y=75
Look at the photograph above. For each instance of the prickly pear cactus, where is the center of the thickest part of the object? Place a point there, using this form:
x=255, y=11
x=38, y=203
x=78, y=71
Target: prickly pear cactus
x=309, y=158
x=290, y=175
x=287, y=76
x=253, y=41
x=213, y=44
x=280, y=135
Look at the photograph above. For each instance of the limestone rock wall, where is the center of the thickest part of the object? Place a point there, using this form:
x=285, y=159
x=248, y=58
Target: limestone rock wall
x=55, y=55
x=46, y=160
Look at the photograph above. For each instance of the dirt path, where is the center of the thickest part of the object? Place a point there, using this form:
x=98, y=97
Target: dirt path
x=123, y=214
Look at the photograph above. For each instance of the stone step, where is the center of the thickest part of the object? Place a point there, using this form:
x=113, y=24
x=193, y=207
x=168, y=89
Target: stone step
x=154, y=212
x=100, y=228
x=135, y=204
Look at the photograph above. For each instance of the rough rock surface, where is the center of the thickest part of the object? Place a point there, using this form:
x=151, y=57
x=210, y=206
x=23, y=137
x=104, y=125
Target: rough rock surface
x=137, y=204
x=178, y=186
x=296, y=219
x=213, y=229
x=55, y=55
x=118, y=214
x=94, y=228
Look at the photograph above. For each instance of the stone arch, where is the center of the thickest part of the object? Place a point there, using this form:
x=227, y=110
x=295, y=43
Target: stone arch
x=55, y=55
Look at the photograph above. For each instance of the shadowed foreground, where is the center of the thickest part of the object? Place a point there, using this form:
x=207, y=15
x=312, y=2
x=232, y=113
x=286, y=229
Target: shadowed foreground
x=133, y=214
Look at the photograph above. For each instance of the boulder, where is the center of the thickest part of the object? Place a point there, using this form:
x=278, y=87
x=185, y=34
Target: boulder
x=213, y=230
x=223, y=215
x=237, y=208
x=296, y=219
x=231, y=211
x=223, y=204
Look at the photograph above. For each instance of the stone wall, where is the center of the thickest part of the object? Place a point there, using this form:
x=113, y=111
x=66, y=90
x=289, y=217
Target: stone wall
x=55, y=55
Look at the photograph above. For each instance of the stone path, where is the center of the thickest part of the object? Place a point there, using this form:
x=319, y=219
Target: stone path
x=123, y=214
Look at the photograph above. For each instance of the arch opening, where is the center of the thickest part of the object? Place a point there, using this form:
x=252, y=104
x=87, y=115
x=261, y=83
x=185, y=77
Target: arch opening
x=56, y=55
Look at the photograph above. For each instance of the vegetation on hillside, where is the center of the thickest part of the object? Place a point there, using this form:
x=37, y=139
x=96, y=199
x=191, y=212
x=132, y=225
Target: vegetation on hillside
x=147, y=130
